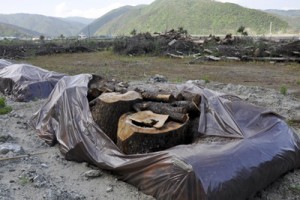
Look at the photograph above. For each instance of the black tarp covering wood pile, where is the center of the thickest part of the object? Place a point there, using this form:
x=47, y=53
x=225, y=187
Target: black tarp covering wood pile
x=26, y=82
x=4, y=63
x=264, y=147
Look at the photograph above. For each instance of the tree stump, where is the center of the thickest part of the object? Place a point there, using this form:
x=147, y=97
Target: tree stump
x=109, y=107
x=137, y=133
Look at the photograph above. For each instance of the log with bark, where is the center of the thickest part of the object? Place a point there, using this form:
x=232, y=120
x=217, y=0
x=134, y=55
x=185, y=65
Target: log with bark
x=145, y=132
x=109, y=107
x=175, y=56
x=159, y=97
x=177, y=114
x=98, y=85
x=192, y=97
x=272, y=59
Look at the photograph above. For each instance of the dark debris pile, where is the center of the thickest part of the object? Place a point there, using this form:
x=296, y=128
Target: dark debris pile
x=178, y=44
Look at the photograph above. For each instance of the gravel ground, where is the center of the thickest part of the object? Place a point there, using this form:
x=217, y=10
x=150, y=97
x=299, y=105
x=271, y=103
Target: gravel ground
x=49, y=176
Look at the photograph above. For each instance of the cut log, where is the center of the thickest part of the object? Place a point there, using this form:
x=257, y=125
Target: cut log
x=175, y=56
x=98, y=85
x=150, y=96
x=272, y=59
x=177, y=114
x=136, y=138
x=188, y=96
x=109, y=107
x=189, y=106
x=212, y=58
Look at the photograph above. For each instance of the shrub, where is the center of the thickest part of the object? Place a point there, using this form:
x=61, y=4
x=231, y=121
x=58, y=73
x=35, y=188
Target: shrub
x=4, y=109
x=283, y=90
x=206, y=79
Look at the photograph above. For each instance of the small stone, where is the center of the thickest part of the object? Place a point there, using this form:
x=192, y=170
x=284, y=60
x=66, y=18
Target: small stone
x=109, y=189
x=22, y=116
x=11, y=181
x=5, y=137
x=7, y=147
x=44, y=165
x=196, y=82
x=93, y=173
x=158, y=79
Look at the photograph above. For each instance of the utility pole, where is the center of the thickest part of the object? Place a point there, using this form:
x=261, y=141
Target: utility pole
x=89, y=33
x=271, y=24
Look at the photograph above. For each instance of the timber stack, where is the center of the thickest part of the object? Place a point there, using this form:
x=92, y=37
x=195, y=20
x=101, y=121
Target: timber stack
x=143, y=121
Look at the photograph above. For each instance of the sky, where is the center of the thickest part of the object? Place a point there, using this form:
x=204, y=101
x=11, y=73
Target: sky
x=97, y=8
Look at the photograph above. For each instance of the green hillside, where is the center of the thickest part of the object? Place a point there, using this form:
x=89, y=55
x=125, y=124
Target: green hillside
x=286, y=13
x=197, y=16
x=49, y=26
x=8, y=30
x=81, y=20
x=97, y=24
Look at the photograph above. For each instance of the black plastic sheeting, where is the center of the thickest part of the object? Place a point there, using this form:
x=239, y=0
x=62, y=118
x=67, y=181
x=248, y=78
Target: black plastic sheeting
x=4, y=63
x=264, y=149
x=26, y=82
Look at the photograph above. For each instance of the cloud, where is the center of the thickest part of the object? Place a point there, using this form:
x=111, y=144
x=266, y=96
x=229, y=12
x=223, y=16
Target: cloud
x=64, y=10
x=60, y=8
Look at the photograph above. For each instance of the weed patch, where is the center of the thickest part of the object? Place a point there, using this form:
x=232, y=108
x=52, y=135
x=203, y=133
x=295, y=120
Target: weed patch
x=283, y=90
x=4, y=109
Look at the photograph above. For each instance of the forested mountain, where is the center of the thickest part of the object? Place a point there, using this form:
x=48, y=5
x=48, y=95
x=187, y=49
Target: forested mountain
x=197, y=16
x=49, y=26
x=292, y=17
x=81, y=20
x=8, y=30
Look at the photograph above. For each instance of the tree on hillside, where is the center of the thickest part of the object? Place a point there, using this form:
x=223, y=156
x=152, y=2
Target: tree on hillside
x=182, y=31
x=42, y=38
x=133, y=32
x=242, y=30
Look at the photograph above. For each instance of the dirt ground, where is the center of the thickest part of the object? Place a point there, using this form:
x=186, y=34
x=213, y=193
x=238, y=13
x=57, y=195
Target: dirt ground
x=49, y=176
x=264, y=74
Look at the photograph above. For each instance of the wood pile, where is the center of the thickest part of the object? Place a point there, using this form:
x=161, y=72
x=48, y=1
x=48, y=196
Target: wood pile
x=178, y=44
x=143, y=121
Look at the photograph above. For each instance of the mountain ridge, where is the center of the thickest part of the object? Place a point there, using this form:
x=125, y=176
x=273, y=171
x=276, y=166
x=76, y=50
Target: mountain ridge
x=292, y=17
x=46, y=25
x=8, y=30
x=197, y=16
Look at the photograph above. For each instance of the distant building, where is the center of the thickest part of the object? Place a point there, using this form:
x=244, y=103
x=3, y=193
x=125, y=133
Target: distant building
x=82, y=36
x=9, y=38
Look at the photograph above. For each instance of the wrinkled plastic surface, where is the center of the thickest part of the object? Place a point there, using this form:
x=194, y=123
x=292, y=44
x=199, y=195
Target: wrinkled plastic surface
x=4, y=63
x=27, y=82
x=265, y=147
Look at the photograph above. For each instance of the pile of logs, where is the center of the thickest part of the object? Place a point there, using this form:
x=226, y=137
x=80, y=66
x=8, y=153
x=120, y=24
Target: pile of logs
x=143, y=121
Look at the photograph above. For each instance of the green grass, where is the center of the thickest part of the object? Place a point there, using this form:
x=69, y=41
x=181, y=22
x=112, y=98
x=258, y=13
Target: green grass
x=295, y=188
x=138, y=68
x=24, y=180
x=298, y=82
x=206, y=79
x=4, y=109
x=283, y=90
